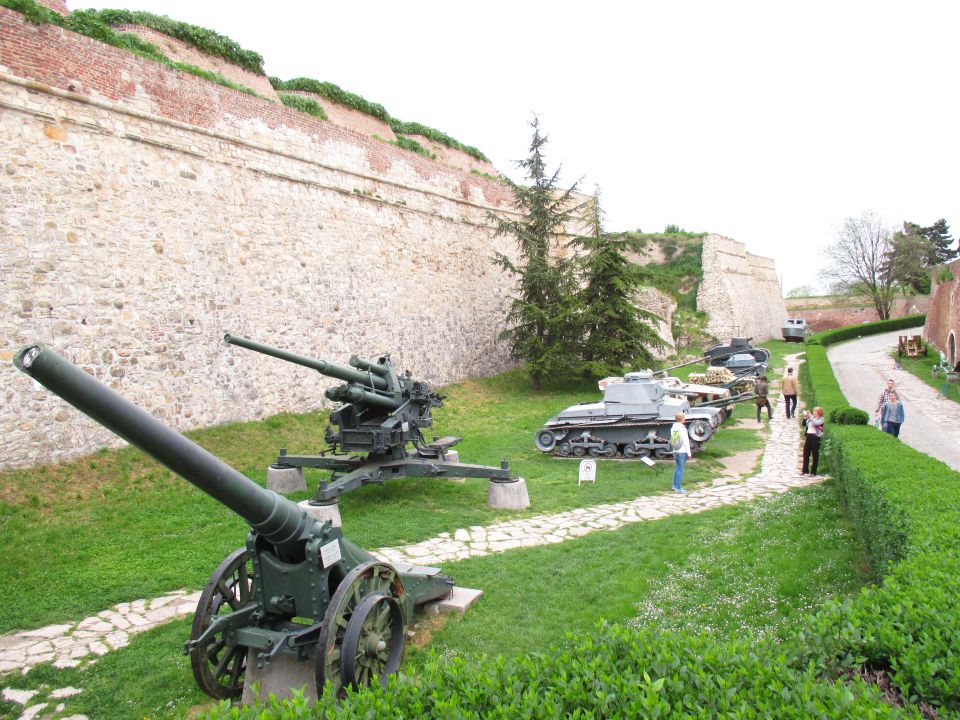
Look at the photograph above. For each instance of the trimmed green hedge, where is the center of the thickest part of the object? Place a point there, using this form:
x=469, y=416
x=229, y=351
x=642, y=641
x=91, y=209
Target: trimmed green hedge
x=413, y=128
x=906, y=506
x=829, y=337
x=618, y=672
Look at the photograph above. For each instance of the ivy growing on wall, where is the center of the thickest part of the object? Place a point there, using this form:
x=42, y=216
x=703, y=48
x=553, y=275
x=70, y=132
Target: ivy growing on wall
x=90, y=24
x=206, y=41
x=340, y=96
x=303, y=104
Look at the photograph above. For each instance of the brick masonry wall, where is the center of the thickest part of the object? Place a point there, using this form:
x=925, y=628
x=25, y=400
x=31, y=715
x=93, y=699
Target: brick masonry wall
x=179, y=51
x=827, y=313
x=58, y=6
x=740, y=292
x=943, y=318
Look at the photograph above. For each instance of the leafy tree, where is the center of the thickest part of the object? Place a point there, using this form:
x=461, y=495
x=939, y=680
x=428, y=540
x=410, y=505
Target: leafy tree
x=908, y=260
x=859, y=259
x=543, y=320
x=802, y=291
x=615, y=333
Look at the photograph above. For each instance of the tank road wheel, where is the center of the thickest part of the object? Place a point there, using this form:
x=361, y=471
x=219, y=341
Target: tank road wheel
x=370, y=579
x=579, y=451
x=606, y=450
x=373, y=641
x=699, y=430
x=564, y=449
x=219, y=666
x=545, y=440
x=631, y=451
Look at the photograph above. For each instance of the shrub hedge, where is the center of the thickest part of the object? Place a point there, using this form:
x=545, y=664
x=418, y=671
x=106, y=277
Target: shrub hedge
x=906, y=506
x=303, y=104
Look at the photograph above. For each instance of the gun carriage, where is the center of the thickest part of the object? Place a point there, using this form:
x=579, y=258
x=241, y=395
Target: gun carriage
x=298, y=587
x=382, y=415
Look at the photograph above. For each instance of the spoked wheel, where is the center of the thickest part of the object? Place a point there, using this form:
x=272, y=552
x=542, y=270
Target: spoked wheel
x=370, y=580
x=219, y=666
x=373, y=641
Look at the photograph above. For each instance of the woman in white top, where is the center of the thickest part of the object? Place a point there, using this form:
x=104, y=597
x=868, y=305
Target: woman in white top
x=680, y=442
x=811, y=443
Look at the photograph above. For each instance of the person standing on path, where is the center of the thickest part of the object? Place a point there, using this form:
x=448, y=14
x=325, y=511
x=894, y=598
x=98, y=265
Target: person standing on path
x=680, y=442
x=762, y=388
x=811, y=441
x=789, y=389
x=892, y=415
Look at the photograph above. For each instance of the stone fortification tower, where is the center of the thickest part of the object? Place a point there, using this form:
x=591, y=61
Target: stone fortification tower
x=740, y=292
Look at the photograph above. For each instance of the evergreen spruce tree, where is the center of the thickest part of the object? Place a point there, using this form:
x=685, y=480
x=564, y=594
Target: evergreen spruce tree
x=938, y=235
x=543, y=318
x=616, y=334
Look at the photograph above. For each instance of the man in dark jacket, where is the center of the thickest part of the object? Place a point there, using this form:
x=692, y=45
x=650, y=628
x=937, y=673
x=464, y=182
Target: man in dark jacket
x=761, y=388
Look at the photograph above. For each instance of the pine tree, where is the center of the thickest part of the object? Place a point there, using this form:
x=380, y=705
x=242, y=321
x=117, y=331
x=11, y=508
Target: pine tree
x=543, y=318
x=616, y=334
x=938, y=235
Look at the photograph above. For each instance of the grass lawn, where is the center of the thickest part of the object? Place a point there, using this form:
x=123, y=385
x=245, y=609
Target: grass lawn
x=733, y=571
x=921, y=367
x=115, y=526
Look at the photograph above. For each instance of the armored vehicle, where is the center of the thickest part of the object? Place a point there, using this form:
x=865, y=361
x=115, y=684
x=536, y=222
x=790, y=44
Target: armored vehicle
x=794, y=330
x=632, y=420
x=724, y=355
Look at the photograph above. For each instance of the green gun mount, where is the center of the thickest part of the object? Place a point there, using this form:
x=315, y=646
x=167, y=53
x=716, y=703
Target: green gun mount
x=382, y=415
x=298, y=587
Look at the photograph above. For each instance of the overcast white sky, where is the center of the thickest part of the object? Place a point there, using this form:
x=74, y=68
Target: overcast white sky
x=768, y=122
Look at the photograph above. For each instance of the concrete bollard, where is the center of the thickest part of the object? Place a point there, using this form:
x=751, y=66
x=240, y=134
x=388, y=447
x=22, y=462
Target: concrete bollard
x=508, y=494
x=323, y=511
x=285, y=480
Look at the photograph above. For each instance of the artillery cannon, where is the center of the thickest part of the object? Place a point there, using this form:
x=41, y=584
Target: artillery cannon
x=298, y=589
x=382, y=414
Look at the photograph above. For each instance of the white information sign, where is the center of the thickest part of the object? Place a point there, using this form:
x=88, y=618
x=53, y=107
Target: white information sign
x=647, y=461
x=588, y=471
x=330, y=553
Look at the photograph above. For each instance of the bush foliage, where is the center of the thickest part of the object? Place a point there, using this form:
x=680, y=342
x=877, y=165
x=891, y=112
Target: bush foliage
x=303, y=104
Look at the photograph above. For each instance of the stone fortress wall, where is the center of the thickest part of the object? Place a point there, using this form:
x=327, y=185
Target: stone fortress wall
x=145, y=212
x=740, y=292
x=943, y=317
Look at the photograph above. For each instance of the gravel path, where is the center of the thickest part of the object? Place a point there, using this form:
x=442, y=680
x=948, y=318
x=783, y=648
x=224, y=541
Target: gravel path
x=932, y=423
x=73, y=644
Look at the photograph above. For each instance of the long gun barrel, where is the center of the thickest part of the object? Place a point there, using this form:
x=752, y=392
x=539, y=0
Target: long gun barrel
x=279, y=521
x=372, y=377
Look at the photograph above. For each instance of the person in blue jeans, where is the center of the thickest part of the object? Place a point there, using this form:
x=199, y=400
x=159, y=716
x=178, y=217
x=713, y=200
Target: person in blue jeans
x=680, y=442
x=892, y=415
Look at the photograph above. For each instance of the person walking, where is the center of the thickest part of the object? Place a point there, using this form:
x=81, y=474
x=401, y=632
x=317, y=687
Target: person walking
x=762, y=388
x=680, y=442
x=892, y=415
x=884, y=396
x=789, y=390
x=811, y=441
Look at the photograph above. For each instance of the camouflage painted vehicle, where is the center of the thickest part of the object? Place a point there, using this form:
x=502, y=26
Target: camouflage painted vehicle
x=633, y=420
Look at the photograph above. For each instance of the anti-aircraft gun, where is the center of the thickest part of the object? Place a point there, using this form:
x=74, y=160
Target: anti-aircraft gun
x=382, y=415
x=299, y=588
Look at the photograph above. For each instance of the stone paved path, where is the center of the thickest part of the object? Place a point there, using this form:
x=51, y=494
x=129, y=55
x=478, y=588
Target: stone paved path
x=932, y=423
x=72, y=644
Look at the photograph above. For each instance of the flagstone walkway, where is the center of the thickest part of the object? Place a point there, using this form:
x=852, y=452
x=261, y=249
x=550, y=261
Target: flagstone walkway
x=72, y=644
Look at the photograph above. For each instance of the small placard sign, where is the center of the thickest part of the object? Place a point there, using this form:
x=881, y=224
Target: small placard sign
x=588, y=471
x=330, y=553
x=647, y=461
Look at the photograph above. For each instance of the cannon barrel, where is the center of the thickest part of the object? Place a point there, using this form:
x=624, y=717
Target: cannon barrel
x=325, y=367
x=278, y=520
x=360, y=396
x=361, y=364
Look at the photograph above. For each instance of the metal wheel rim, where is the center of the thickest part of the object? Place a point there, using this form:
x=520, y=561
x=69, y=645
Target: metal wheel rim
x=564, y=449
x=699, y=430
x=219, y=667
x=367, y=578
x=545, y=440
x=378, y=617
x=579, y=451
